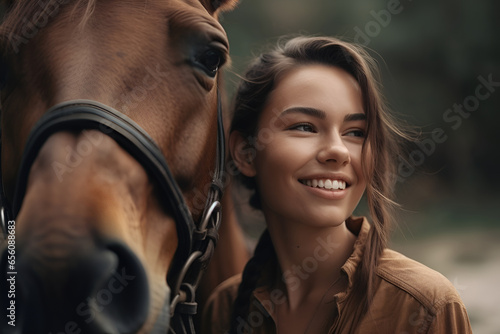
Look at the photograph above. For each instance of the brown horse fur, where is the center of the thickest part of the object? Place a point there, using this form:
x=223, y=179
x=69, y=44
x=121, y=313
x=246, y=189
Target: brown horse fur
x=83, y=187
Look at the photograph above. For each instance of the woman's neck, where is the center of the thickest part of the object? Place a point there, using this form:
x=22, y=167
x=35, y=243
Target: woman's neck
x=310, y=257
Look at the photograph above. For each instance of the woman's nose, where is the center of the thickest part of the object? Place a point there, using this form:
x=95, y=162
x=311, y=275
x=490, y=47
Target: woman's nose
x=334, y=150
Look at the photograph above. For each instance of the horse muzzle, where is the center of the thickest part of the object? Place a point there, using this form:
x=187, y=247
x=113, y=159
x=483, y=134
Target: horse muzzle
x=101, y=290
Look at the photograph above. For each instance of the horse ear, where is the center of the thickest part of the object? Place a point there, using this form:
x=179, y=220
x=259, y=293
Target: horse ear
x=215, y=5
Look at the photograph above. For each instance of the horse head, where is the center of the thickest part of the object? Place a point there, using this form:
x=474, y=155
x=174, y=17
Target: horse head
x=93, y=240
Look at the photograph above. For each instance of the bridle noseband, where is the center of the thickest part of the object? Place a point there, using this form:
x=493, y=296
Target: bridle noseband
x=196, y=243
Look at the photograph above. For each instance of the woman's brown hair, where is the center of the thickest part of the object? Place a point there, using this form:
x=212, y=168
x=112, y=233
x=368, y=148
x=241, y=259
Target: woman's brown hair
x=383, y=138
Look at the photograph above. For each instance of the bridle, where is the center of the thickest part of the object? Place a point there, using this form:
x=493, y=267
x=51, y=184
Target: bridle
x=196, y=243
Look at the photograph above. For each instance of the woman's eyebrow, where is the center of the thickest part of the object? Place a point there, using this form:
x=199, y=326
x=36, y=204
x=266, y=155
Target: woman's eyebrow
x=321, y=114
x=305, y=110
x=355, y=117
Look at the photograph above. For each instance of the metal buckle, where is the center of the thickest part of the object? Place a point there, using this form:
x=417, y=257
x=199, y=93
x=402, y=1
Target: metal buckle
x=214, y=209
x=178, y=295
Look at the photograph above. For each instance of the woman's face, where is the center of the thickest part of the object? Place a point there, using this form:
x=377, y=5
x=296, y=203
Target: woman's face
x=308, y=163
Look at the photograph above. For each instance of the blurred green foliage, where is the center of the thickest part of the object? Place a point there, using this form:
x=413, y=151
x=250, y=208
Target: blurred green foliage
x=432, y=55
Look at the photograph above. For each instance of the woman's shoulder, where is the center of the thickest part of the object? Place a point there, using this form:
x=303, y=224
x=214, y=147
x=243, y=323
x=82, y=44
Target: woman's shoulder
x=417, y=298
x=426, y=285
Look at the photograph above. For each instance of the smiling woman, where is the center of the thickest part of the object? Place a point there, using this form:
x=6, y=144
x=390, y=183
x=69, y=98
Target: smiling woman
x=315, y=106
x=311, y=135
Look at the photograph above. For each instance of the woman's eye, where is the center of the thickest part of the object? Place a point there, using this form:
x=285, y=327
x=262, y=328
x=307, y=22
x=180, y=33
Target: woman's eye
x=303, y=127
x=356, y=133
x=209, y=61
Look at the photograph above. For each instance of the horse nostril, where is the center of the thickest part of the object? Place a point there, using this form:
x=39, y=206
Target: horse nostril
x=119, y=297
x=103, y=291
x=128, y=291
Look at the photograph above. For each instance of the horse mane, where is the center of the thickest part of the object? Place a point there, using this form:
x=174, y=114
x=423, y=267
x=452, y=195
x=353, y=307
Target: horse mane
x=24, y=18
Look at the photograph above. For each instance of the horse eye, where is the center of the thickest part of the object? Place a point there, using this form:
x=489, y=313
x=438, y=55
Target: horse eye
x=210, y=60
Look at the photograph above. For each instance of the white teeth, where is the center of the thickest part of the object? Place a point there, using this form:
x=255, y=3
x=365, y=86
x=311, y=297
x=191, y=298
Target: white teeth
x=327, y=184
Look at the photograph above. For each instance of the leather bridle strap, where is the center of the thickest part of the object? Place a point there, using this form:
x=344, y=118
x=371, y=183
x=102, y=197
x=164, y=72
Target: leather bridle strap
x=183, y=305
x=195, y=244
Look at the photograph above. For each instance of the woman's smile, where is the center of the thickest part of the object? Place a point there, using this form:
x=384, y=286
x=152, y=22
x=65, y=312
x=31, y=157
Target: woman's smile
x=325, y=184
x=330, y=194
x=328, y=187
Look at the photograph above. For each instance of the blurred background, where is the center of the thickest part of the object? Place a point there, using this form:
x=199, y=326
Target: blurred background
x=440, y=63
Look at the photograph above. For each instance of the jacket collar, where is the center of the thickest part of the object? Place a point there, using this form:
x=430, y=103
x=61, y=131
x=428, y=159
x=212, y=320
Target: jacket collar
x=271, y=288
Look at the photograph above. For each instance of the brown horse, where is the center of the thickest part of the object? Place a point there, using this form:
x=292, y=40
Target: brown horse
x=94, y=241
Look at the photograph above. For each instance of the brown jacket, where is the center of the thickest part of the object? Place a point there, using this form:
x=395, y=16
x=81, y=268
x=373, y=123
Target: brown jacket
x=409, y=298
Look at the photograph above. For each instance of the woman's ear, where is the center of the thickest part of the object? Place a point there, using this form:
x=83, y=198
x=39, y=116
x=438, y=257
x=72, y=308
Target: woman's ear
x=242, y=153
